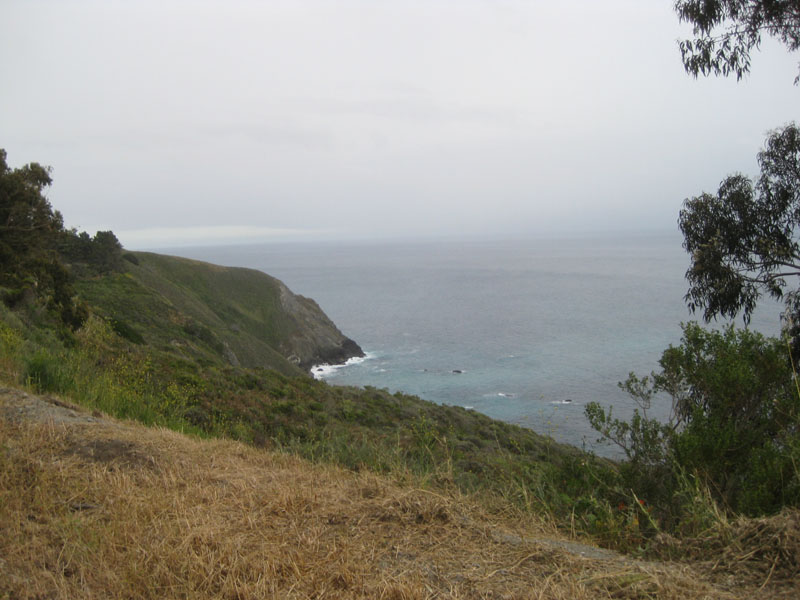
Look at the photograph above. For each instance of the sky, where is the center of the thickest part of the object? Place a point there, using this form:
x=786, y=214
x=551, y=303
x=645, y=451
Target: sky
x=202, y=122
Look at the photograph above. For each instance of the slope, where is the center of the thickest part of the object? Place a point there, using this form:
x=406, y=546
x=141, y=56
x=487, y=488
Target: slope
x=92, y=507
x=220, y=314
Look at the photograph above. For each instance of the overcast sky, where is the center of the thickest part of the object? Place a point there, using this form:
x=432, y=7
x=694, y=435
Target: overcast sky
x=181, y=123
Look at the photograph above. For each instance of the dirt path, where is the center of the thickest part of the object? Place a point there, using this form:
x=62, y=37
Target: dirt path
x=17, y=405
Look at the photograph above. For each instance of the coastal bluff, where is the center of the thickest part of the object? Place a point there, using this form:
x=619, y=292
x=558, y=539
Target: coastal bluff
x=226, y=315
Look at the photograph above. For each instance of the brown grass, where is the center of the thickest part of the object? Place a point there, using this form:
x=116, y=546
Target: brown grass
x=761, y=554
x=116, y=510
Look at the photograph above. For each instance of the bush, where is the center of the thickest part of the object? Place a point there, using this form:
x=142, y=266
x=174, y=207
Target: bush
x=45, y=373
x=734, y=424
x=127, y=332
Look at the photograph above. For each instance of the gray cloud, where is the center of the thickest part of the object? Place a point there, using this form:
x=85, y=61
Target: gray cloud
x=369, y=119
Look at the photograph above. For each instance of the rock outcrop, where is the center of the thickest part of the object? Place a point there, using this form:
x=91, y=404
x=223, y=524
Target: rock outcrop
x=315, y=339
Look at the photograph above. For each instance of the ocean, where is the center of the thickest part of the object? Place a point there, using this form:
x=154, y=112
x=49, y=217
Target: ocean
x=526, y=331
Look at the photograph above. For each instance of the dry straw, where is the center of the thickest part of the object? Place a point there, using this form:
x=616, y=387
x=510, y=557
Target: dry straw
x=116, y=510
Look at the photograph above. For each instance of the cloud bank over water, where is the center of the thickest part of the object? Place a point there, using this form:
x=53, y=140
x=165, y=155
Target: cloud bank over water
x=389, y=119
x=167, y=237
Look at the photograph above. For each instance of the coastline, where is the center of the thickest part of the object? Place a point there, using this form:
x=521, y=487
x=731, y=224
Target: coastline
x=323, y=371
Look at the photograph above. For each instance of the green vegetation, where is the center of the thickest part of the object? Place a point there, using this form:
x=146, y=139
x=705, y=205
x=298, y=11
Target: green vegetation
x=733, y=430
x=188, y=309
x=732, y=442
x=91, y=255
x=743, y=241
x=725, y=31
x=31, y=274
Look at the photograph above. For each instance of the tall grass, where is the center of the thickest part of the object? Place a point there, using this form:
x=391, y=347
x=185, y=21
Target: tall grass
x=91, y=372
x=165, y=516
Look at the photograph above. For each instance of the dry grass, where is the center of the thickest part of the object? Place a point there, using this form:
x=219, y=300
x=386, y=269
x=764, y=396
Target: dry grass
x=761, y=554
x=119, y=510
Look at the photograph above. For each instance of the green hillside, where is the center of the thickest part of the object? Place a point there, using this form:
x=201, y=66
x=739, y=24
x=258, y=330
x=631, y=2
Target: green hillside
x=222, y=315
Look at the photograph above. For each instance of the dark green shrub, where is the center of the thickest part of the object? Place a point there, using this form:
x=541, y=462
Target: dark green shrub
x=205, y=335
x=735, y=422
x=125, y=331
x=45, y=373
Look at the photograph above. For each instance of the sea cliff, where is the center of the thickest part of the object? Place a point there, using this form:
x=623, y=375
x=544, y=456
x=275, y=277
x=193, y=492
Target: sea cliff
x=235, y=316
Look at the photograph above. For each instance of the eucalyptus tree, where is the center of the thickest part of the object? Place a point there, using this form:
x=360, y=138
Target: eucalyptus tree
x=725, y=32
x=30, y=230
x=744, y=241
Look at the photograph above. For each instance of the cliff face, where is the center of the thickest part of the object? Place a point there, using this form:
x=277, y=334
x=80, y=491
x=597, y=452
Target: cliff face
x=315, y=339
x=228, y=315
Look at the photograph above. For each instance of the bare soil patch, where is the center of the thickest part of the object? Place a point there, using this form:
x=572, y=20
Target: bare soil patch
x=17, y=405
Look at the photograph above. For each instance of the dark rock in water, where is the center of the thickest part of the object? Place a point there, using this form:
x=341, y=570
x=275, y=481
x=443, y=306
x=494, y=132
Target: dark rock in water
x=568, y=401
x=319, y=370
x=457, y=371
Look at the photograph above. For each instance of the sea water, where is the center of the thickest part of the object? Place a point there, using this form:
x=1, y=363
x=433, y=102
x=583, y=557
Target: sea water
x=526, y=331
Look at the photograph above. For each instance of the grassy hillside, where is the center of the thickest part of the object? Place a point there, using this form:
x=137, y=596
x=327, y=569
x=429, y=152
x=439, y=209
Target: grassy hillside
x=95, y=508
x=215, y=314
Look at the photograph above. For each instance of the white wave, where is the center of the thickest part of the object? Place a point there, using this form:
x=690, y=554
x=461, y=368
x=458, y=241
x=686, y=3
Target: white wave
x=565, y=401
x=325, y=370
x=357, y=360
